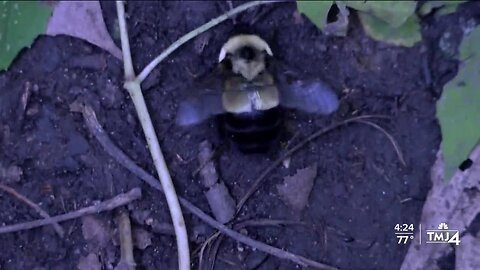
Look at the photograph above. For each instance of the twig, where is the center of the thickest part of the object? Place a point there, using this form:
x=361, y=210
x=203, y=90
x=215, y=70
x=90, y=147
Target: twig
x=204, y=246
x=289, y=152
x=218, y=197
x=127, y=262
x=196, y=251
x=127, y=57
x=267, y=222
x=214, y=252
x=192, y=34
x=135, y=91
x=97, y=131
x=119, y=200
x=35, y=206
x=389, y=136
x=240, y=225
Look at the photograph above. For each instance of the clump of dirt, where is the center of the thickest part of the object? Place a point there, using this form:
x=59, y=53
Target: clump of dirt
x=361, y=189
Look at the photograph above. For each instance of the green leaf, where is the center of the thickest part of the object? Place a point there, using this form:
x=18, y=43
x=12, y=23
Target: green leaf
x=450, y=7
x=316, y=11
x=446, y=7
x=405, y=35
x=427, y=7
x=20, y=23
x=395, y=13
x=458, y=110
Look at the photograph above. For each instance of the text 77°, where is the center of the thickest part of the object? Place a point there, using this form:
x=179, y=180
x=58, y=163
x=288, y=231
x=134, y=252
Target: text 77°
x=403, y=239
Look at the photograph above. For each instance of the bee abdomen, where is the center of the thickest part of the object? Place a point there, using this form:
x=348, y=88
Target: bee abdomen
x=254, y=132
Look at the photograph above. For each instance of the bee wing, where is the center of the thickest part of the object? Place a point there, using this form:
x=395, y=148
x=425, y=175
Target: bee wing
x=198, y=109
x=312, y=96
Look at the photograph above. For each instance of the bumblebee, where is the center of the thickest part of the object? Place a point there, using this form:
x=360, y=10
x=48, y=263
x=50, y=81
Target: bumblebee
x=252, y=98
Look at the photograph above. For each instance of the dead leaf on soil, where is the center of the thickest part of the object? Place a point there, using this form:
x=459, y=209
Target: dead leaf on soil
x=95, y=232
x=455, y=203
x=84, y=20
x=142, y=239
x=90, y=262
x=295, y=189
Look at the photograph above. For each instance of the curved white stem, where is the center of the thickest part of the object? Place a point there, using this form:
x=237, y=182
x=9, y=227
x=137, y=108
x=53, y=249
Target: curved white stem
x=132, y=85
x=135, y=91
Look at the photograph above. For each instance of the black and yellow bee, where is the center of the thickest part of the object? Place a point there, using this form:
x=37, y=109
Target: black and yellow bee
x=251, y=100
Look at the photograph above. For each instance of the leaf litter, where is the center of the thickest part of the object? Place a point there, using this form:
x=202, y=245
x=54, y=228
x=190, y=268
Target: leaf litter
x=95, y=232
x=84, y=20
x=89, y=262
x=295, y=189
x=455, y=203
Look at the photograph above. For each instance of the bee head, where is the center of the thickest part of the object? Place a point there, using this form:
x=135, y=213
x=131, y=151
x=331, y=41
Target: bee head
x=246, y=55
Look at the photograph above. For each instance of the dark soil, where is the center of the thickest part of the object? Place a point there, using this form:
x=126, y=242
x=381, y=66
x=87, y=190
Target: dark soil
x=361, y=190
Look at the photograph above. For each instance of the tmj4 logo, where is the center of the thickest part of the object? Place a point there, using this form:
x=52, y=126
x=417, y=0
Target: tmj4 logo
x=443, y=235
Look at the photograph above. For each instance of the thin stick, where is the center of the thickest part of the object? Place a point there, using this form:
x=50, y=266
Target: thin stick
x=267, y=222
x=389, y=136
x=97, y=131
x=289, y=152
x=127, y=57
x=119, y=200
x=135, y=91
x=127, y=260
x=33, y=205
x=204, y=246
x=212, y=256
x=240, y=225
x=192, y=34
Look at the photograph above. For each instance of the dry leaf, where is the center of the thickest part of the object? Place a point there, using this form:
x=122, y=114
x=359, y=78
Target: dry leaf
x=296, y=189
x=95, y=232
x=221, y=203
x=142, y=239
x=84, y=20
x=456, y=203
x=90, y=262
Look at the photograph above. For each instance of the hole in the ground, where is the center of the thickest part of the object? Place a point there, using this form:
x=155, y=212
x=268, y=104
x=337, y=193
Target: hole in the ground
x=467, y=163
x=332, y=14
